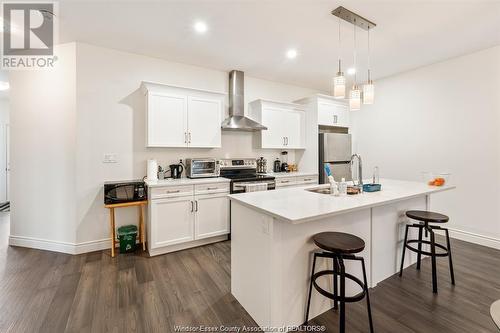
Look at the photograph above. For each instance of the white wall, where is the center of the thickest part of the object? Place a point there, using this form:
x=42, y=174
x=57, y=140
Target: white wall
x=43, y=142
x=111, y=119
x=4, y=123
x=442, y=118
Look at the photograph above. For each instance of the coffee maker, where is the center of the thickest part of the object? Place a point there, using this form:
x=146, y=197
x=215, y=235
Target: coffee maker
x=284, y=164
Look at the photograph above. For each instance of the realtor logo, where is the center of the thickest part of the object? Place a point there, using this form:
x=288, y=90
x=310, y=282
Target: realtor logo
x=28, y=35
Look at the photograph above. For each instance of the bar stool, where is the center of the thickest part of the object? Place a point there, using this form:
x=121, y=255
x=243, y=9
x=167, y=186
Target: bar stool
x=339, y=247
x=425, y=218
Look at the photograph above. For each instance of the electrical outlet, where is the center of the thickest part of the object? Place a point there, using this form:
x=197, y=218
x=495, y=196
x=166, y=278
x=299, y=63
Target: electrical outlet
x=109, y=158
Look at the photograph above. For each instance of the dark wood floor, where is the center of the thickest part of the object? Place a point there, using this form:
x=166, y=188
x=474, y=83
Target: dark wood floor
x=43, y=291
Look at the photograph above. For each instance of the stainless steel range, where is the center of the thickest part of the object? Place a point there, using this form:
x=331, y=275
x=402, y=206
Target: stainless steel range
x=244, y=176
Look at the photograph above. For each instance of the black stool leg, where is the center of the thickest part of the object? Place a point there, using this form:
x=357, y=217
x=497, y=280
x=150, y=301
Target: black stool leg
x=310, y=289
x=404, y=250
x=342, y=294
x=449, y=256
x=335, y=287
x=419, y=246
x=367, y=296
x=433, y=258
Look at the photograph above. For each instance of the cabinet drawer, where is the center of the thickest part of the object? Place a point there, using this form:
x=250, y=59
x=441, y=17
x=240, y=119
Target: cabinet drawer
x=211, y=188
x=171, y=191
x=285, y=181
x=307, y=180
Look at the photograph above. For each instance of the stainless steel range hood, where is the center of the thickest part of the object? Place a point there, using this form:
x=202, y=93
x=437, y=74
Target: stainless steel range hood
x=237, y=119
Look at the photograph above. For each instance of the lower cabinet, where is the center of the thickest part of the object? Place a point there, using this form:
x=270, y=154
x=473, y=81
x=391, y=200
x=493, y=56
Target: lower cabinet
x=182, y=219
x=172, y=221
x=212, y=216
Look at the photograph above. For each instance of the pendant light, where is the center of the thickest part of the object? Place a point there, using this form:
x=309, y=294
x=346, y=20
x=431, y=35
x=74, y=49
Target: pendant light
x=368, y=87
x=339, y=79
x=355, y=93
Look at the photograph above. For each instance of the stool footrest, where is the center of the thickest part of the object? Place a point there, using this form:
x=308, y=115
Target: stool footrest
x=416, y=241
x=347, y=299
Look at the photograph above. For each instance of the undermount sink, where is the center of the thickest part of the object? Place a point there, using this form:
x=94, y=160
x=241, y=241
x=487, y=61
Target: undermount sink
x=321, y=190
x=351, y=190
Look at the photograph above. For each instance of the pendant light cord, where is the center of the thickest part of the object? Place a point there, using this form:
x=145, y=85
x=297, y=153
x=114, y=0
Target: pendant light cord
x=355, y=69
x=340, y=48
x=369, y=52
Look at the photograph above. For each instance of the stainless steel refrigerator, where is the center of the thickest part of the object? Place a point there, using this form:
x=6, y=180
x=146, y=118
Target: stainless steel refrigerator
x=335, y=149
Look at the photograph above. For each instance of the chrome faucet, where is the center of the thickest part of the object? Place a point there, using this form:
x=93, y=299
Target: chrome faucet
x=360, y=170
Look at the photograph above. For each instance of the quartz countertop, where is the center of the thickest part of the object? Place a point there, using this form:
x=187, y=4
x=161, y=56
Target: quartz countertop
x=292, y=174
x=185, y=181
x=297, y=205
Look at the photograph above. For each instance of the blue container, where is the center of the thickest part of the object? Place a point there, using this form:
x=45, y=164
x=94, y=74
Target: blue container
x=372, y=187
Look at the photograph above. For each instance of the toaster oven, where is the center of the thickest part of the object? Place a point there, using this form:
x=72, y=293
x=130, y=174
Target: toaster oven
x=202, y=167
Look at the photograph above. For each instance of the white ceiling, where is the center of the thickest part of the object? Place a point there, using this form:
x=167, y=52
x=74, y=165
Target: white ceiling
x=253, y=35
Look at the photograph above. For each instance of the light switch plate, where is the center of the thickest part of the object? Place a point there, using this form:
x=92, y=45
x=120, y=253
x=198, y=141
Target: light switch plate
x=109, y=158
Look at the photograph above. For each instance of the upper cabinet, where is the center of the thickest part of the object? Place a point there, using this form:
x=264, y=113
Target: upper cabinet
x=285, y=124
x=182, y=117
x=331, y=111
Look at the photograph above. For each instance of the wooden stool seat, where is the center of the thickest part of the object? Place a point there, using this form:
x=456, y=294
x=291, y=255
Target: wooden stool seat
x=339, y=242
x=425, y=216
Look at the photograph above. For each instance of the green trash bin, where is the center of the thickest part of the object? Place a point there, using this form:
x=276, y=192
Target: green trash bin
x=127, y=235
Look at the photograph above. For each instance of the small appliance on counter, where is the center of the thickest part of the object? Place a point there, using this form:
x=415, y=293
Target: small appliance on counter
x=124, y=191
x=176, y=170
x=202, y=167
x=261, y=165
x=284, y=164
x=152, y=170
x=277, y=165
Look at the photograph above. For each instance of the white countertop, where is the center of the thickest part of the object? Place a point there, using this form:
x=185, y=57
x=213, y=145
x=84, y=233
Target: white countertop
x=292, y=174
x=297, y=205
x=185, y=181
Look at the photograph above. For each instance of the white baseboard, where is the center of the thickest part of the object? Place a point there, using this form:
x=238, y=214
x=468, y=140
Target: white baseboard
x=475, y=238
x=42, y=244
x=56, y=246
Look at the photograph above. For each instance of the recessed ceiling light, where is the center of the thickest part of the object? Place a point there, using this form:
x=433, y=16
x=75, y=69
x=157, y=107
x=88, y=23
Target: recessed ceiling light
x=291, y=54
x=351, y=71
x=4, y=85
x=200, y=27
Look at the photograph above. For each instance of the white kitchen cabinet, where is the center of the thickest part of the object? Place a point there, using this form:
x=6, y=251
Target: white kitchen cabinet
x=173, y=221
x=166, y=120
x=204, y=122
x=182, y=117
x=332, y=113
x=285, y=124
x=187, y=215
x=212, y=215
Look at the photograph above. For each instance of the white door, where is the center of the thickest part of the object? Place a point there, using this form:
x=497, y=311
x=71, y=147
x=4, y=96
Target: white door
x=212, y=215
x=167, y=120
x=274, y=136
x=293, y=129
x=172, y=221
x=204, y=122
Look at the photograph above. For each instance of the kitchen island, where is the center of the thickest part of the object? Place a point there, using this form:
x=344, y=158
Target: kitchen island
x=271, y=243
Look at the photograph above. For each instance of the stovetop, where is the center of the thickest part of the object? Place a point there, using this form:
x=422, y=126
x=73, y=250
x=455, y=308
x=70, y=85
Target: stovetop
x=248, y=177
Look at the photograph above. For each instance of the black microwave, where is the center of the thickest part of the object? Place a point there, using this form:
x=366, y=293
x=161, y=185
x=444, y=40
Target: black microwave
x=125, y=191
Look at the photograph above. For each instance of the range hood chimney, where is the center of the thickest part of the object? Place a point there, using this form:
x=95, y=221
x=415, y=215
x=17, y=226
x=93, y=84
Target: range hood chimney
x=237, y=119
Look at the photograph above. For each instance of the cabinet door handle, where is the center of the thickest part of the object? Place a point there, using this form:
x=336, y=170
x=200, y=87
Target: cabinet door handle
x=196, y=202
x=287, y=141
x=211, y=188
x=174, y=191
x=189, y=137
x=307, y=179
x=192, y=206
x=335, y=118
x=285, y=181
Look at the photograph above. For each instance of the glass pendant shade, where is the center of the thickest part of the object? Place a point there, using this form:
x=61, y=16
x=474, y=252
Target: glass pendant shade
x=355, y=98
x=339, y=85
x=368, y=92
